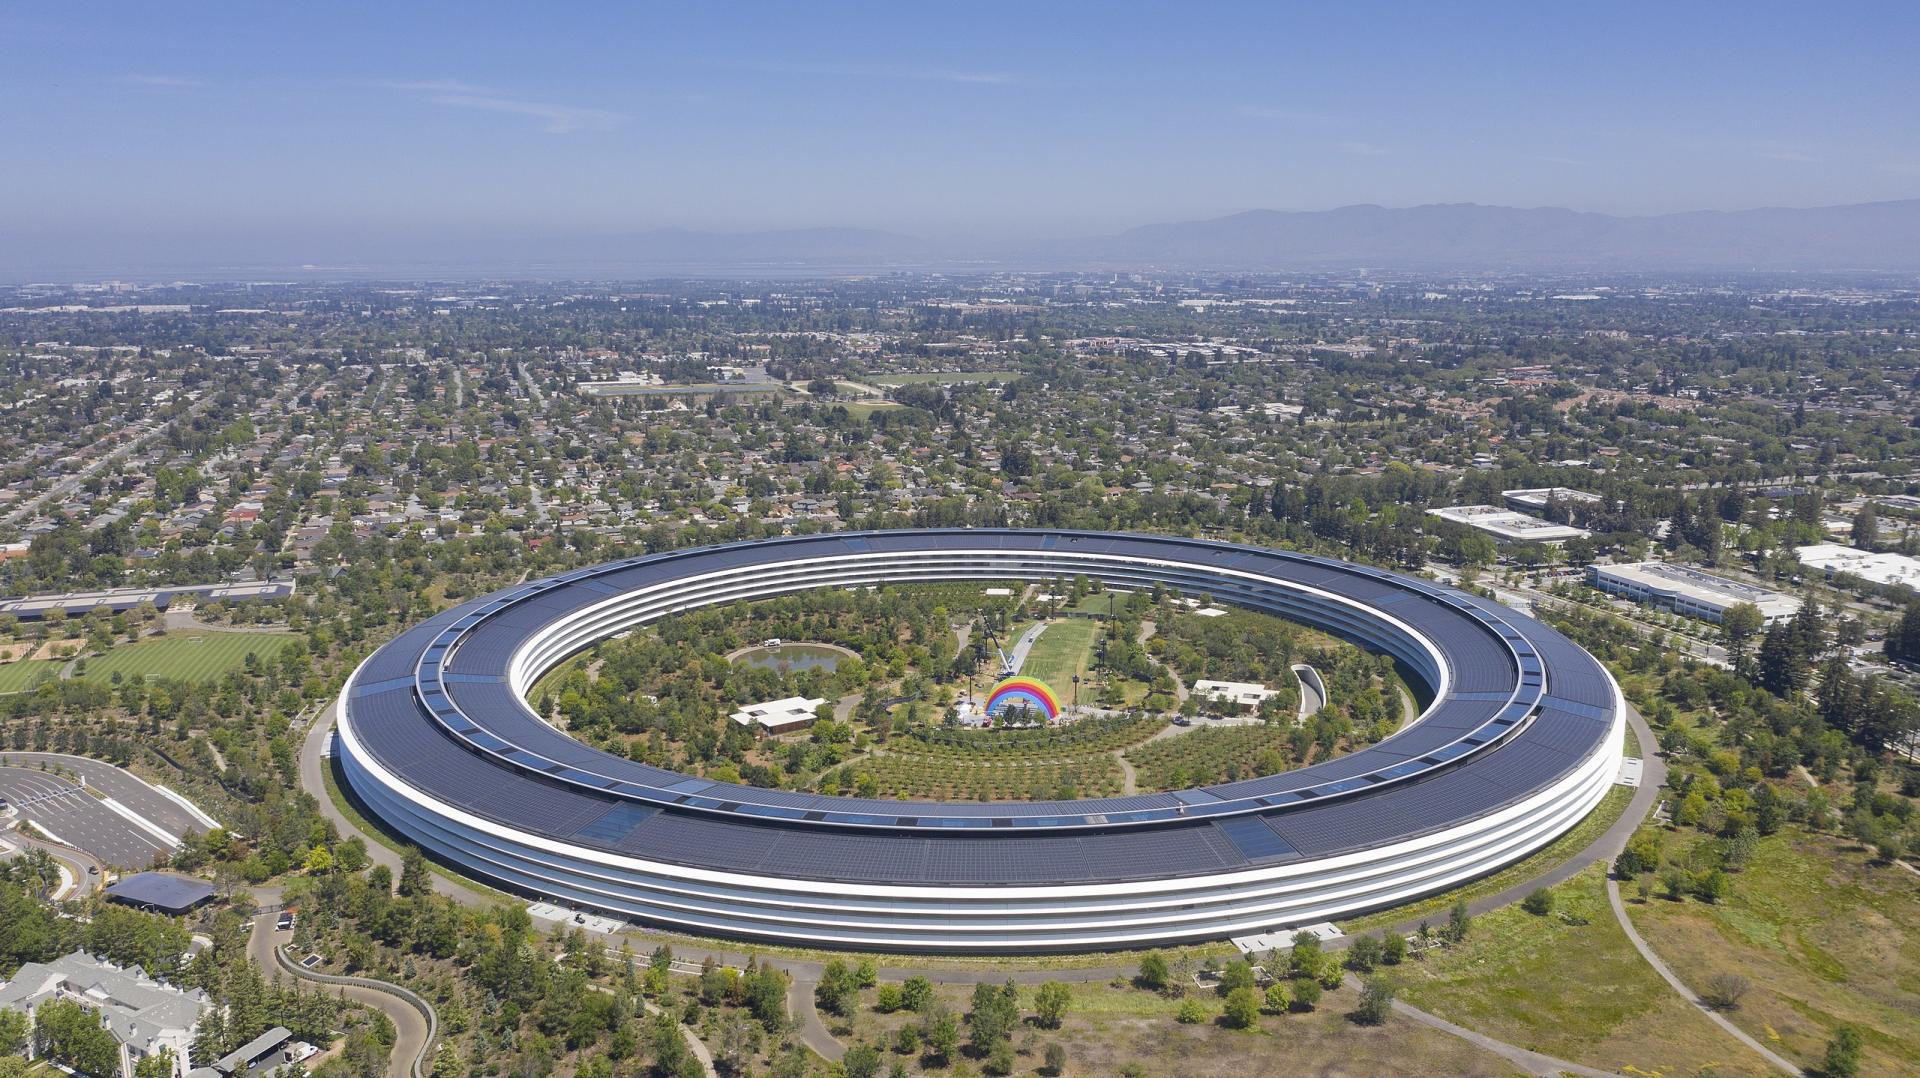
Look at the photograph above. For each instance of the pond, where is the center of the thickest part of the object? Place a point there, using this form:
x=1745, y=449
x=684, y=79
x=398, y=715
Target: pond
x=793, y=658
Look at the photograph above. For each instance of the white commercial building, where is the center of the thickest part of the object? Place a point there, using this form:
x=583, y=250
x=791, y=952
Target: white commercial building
x=1245, y=693
x=1831, y=558
x=1686, y=590
x=780, y=716
x=144, y=1015
x=1536, y=499
x=1507, y=526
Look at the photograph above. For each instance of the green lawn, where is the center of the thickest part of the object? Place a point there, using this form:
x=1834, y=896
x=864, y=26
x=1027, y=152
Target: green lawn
x=186, y=656
x=1826, y=935
x=943, y=379
x=863, y=409
x=21, y=676
x=1570, y=984
x=1065, y=649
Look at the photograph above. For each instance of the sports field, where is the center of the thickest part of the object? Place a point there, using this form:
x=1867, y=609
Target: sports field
x=1065, y=649
x=186, y=656
x=944, y=378
x=21, y=676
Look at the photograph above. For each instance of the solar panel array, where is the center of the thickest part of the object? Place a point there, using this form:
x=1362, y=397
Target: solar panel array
x=461, y=736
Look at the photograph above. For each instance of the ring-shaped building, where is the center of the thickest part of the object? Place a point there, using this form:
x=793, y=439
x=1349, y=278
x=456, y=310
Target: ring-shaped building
x=1522, y=738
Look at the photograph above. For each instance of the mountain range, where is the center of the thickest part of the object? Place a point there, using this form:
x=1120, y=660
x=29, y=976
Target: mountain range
x=1875, y=236
x=1872, y=237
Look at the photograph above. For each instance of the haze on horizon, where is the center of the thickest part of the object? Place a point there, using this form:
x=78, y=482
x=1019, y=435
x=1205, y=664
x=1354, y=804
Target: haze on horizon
x=150, y=134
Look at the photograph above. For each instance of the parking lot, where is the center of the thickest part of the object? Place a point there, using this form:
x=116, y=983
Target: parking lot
x=75, y=817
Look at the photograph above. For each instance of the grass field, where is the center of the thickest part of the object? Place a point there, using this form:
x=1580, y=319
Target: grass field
x=1824, y=937
x=186, y=656
x=863, y=409
x=1111, y=1027
x=944, y=379
x=1065, y=649
x=24, y=675
x=1570, y=984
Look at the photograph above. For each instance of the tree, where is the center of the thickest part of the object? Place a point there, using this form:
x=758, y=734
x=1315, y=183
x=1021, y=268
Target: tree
x=838, y=988
x=1243, y=1007
x=1153, y=971
x=941, y=1030
x=1238, y=974
x=158, y=1065
x=1279, y=997
x=69, y=1033
x=1393, y=948
x=1376, y=1001
x=1843, y=1054
x=1363, y=954
x=1306, y=993
x=994, y=1015
x=1738, y=625
x=916, y=994
x=1056, y=1059
x=1459, y=922
x=861, y=1061
x=1866, y=528
x=1903, y=640
x=1538, y=902
x=1050, y=1002
x=415, y=879
x=1725, y=991
x=13, y=1033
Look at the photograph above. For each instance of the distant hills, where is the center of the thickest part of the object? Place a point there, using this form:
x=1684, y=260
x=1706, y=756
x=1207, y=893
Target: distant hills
x=1874, y=236
x=1868, y=236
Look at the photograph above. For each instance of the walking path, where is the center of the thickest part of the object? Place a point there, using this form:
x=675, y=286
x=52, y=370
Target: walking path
x=1646, y=952
x=1532, y=1062
x=414, y=1020
x=806, y=973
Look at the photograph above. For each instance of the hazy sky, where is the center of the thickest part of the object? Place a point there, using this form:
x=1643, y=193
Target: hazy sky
x=149, y=121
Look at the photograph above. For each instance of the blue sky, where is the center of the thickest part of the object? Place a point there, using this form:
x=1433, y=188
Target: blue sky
x=980, y=119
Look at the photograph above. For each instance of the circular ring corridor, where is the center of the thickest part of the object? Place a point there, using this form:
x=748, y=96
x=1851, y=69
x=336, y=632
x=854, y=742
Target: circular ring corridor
x=1521, y=740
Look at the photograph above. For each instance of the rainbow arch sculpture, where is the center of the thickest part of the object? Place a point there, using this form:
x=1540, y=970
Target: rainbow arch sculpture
x=1031, y=693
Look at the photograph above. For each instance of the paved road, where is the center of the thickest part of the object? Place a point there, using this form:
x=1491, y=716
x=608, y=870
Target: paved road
x=1018, y=656
x=77, y=863
x=74, y=817
x=122, y=786
x=410, y=1026
x=1646, y=952
x=807, y=973
x=1313, y=694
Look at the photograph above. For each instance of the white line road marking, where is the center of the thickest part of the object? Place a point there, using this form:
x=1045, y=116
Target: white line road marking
x=172, y=841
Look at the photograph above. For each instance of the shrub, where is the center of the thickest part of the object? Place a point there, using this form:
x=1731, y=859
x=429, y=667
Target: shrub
x=1393, y=948
x=1725, y=990
x=1191, y=1011
x=1243, y=1008
x=1050, y=1003
x=1056, y=1059
x=1363, y=954
x=1538, y=902
x=1376, y=1002
x=1279, y=997
x=1153, y=972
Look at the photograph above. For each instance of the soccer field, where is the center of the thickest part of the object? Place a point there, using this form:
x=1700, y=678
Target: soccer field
x=21, y=676
x=186, y=656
